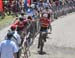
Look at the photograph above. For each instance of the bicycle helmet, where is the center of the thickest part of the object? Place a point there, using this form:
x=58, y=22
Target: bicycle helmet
x=20, y=18
x=33, y=5
x=45, y=15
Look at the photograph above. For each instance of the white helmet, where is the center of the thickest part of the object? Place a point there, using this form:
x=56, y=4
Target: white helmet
x=33, y=5
x=45, y=15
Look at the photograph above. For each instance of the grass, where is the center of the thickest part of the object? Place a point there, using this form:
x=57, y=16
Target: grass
x=6, y=21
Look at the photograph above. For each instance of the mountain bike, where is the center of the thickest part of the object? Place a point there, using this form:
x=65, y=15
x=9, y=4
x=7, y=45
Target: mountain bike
x=25, y=51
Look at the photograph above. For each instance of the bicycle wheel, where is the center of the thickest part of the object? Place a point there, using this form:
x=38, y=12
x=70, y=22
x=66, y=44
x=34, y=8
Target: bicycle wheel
x=23, y=53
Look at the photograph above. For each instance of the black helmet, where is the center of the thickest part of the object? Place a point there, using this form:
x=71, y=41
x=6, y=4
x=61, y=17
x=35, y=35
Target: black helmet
x=20, y=18
x=9, y=35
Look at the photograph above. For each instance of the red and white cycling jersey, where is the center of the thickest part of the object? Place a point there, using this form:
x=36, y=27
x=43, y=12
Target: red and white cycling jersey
x=19, y=23
x=44, y=22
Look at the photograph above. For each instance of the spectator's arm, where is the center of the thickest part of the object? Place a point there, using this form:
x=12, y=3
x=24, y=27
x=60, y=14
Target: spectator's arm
x=15, y=55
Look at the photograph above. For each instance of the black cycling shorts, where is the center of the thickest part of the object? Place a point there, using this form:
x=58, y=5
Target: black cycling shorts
x=43, y=29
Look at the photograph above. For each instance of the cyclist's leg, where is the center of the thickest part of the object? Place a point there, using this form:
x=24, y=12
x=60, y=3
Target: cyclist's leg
x=40, y=36
x=42, y=40
x=39, y=40
x=45, y=35
x=50, y=27
x=41, y=45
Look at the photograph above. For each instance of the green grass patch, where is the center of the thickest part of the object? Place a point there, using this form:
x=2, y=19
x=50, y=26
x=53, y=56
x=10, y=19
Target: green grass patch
x=6, y=21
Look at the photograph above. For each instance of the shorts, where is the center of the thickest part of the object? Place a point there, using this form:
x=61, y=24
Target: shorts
x=44, y=29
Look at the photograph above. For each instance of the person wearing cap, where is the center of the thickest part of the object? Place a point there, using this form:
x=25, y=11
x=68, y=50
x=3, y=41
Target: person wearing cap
x=16, y=37
x=8, y=48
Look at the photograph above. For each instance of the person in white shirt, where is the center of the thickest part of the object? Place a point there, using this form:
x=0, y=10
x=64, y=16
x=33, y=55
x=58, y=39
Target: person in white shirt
x=8, y=48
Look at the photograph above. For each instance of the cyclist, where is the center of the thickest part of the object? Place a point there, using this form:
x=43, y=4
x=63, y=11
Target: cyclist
x=20, y=24
x=30, y=29
x=44, y=23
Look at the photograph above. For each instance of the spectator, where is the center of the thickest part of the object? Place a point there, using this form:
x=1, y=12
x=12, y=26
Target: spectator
x=15, y=8
x=8, y=48
x=30, y=10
